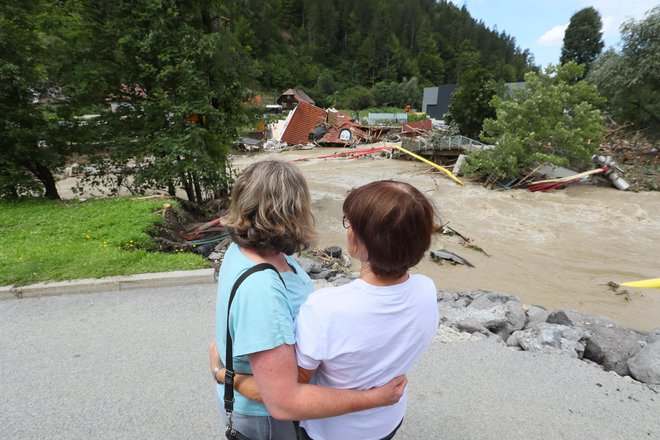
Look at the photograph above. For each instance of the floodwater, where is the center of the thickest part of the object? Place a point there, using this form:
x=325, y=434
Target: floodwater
x=556, y=249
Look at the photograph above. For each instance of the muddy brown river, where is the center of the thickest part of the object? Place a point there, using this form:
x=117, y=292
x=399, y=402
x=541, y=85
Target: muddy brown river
x=556, y=249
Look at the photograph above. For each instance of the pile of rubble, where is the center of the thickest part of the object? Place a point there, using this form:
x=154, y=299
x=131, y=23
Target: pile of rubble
x=594, y=339
x=638, y=158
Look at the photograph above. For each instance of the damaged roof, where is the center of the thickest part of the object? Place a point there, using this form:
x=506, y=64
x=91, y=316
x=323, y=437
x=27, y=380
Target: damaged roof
x=304, y=119
x=353, y=133
x=299, y=95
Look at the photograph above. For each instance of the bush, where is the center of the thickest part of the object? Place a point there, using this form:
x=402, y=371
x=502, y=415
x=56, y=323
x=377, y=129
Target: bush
x=554, y=119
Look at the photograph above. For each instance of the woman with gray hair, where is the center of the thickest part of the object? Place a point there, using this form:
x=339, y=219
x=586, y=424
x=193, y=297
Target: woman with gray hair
x=269, y=219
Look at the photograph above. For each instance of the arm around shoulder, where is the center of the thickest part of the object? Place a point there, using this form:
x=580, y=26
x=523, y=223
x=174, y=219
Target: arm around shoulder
x=276, y=374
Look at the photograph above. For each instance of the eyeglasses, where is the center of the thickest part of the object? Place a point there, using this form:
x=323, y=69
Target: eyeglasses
x=345, y=222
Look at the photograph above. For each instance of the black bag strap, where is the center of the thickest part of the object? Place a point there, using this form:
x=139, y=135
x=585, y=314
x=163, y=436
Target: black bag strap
x=229, y=355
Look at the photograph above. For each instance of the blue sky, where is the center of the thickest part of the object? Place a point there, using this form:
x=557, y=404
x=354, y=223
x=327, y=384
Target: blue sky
x=538, y=25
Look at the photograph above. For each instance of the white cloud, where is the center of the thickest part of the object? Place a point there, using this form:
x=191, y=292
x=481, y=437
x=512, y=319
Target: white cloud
x=554, y=37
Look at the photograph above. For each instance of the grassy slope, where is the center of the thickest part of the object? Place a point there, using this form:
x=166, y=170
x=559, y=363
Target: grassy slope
x=43, y=240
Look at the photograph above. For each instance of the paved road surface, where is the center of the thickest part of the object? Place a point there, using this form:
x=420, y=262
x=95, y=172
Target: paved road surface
x=133, y=365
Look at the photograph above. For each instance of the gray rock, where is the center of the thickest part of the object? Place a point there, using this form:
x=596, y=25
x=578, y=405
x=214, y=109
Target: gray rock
x=470, y=326
x=307, y=264
x=448, y=334
x=484, y=299
x=512, y=341
x=462, y=302
x=654, y=335
x=610, y=344
x=325, y=275
x=445, y=295
x=514, y=311
x=516, y=316
x=645, y=365
x=551, y=338
x=494, y=319
x=536, y=315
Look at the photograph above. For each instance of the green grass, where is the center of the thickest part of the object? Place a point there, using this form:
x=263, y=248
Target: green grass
x=42, y=240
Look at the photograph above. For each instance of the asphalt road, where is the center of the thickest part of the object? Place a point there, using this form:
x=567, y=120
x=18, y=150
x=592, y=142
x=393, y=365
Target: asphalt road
x=133, y=365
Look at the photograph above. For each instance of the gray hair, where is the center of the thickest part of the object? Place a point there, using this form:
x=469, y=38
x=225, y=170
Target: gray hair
x=271, y=208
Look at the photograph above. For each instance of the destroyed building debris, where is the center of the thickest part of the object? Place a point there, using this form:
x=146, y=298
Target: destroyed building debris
x=427, y=140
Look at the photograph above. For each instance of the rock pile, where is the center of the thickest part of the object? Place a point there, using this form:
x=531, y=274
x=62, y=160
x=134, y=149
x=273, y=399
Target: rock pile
x=326, y=270
x=594, y=339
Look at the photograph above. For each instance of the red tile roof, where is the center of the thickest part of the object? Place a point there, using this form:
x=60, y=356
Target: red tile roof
x=305, y=118
x=337, y=118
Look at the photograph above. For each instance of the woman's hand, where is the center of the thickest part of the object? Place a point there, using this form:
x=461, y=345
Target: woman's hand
x=391, y=392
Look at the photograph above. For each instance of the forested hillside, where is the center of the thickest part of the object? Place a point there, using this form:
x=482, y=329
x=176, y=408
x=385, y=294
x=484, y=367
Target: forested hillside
x=328, y=46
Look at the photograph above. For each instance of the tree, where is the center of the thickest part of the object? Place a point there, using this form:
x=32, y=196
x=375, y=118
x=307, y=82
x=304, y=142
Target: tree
x=28, y=151
x=175, y=77
x=471, y=102
x=552, y=119
x=630, y=79
x=583, y=40
x=467, y=59
x=354, y=98
x=393, y=94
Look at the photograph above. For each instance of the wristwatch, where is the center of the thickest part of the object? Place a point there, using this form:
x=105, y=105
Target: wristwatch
x=215, y=373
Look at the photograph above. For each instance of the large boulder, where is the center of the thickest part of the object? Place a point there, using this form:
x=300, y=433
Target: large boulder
x=536, y=315
x=492, y=319
x=513, y=310
x=551, y=338
x=481, y=311
x=610, y=344
x=645, y=365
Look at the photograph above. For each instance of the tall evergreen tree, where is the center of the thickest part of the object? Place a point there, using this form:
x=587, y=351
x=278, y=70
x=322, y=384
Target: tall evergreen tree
x=583, y=40
x=471, y=103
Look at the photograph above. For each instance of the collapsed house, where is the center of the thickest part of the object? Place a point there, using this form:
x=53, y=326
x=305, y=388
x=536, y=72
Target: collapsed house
x=309, y=124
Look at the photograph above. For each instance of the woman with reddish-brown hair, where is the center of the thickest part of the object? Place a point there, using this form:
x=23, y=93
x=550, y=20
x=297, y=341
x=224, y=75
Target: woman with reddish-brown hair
x=377, y=326
x=366, y=332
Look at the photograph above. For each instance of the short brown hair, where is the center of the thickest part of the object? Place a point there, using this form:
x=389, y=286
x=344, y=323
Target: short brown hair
x=394, y=221
x=271, y=208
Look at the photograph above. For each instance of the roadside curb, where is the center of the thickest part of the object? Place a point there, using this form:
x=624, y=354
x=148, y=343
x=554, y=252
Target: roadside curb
x=109, y=284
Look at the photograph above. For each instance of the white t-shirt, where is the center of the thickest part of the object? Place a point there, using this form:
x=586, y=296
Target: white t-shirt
x=358, y=336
